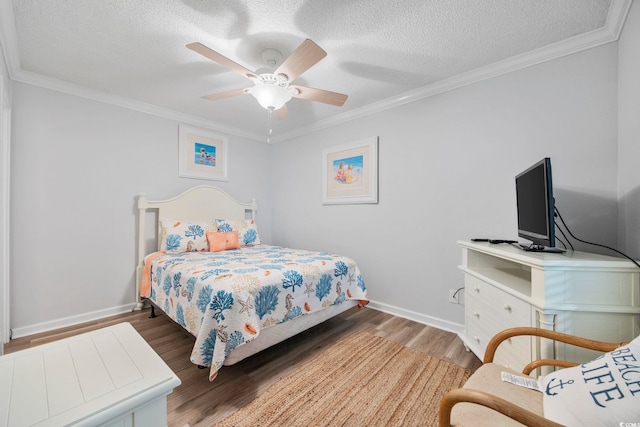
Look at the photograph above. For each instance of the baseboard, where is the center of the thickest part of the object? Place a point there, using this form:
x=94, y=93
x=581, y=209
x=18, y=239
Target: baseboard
x=100, y=314
x=417, y=317
x=70, y=321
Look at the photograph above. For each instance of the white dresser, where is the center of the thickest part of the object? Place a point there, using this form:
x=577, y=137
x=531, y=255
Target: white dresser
x=108, y=377
x=590, y=295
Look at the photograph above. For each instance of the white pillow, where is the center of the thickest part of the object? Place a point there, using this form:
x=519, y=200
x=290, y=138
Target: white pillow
x=246, y=228
x=180, y=236
x=603, y=392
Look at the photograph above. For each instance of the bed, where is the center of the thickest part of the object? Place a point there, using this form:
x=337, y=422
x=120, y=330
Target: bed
x=201, y=261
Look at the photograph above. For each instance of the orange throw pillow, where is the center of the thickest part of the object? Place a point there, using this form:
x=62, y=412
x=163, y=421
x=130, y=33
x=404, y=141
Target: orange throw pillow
x=222, y=241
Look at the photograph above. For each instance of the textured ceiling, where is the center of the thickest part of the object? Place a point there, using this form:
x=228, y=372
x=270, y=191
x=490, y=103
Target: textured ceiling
x=377, y=49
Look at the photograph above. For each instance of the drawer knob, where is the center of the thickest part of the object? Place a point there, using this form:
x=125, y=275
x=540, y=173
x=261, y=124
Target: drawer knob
x=507, y=307
x=477, y=289
x=476, y=313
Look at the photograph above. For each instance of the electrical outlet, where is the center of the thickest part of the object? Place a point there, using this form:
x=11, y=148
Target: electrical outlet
x=453, y=297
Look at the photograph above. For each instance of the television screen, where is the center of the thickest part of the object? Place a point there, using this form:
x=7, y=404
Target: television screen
x=534, y=194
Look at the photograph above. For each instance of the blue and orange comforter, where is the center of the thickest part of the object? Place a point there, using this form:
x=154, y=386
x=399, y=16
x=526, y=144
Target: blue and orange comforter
x=226, y=298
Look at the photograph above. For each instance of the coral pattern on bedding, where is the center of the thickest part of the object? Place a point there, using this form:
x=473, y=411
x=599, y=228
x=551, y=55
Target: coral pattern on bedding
x=226, y=298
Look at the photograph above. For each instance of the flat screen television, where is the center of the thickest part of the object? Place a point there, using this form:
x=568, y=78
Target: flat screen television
x=534, y=194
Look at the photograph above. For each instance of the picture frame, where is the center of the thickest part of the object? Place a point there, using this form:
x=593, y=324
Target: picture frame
x=350, y=172
x=202, y=154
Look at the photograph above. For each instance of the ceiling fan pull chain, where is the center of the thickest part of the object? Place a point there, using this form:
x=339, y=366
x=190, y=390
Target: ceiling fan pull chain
x=270, y=114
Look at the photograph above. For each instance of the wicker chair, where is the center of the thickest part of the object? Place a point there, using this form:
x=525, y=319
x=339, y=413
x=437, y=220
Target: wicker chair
x=485, y=400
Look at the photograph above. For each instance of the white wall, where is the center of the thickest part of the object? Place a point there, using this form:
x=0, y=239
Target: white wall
x=5, y=107
x=447, y=165
x=77, y=166
x=446, y=172
x=629, y=132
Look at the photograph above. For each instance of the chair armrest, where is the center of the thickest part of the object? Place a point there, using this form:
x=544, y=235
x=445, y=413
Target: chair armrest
x=493, y=344
x=547, y=362
x=493, y=402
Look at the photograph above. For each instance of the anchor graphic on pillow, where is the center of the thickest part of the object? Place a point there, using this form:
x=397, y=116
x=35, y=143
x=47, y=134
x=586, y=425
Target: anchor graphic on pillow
x=561, y=384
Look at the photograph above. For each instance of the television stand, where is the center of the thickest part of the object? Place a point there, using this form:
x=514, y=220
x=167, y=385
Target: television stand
x=579, y=293
x=539, y=248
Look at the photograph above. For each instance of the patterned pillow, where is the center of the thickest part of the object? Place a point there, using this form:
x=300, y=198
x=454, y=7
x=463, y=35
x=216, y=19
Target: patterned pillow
x=246, y=228
x=222, y=241
x=178, y=236
x=604, y=392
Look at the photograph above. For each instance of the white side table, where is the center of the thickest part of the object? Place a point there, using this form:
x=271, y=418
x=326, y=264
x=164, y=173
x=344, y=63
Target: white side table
x=107, y=377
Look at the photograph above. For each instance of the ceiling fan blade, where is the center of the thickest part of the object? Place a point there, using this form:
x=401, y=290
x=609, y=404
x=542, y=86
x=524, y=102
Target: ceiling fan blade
x=319, y=95
x=223, y=95
x=281, y=113
x=220, y=59
x=304, y=57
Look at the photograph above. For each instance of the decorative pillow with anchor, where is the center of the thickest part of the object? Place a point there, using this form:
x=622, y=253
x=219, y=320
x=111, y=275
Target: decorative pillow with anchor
x=603, y=392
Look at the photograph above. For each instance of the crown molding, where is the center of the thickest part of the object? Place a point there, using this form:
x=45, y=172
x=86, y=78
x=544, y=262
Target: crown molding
x=618, y=11
x=72, y=89
x=610, y=32
x=9, y=48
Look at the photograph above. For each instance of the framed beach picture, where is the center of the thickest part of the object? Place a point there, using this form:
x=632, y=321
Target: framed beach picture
x=202, y=154
x=350, y=172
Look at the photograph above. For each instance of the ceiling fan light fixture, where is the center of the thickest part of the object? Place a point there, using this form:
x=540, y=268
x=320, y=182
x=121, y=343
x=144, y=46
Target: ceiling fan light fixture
x=271, y=97
x=271, y=93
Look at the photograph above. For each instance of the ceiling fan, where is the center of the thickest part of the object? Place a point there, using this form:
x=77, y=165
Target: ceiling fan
x=274, y=90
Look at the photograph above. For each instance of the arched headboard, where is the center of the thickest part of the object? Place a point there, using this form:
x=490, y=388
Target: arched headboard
x=199, y=203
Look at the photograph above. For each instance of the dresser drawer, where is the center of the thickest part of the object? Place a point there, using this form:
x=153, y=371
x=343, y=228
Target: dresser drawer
x=489, y=310
x=477, y=331
x=508, y=310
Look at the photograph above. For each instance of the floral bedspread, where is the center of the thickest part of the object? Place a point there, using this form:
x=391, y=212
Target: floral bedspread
x=225, y=298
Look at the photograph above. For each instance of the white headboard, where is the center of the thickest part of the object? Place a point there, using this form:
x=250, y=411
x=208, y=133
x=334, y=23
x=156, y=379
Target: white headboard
x=199, y=203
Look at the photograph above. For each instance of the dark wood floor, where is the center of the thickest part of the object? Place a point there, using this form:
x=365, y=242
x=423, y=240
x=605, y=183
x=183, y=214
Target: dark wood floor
x=198, y=402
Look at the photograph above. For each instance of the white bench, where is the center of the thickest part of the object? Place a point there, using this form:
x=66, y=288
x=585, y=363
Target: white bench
x=108, y=377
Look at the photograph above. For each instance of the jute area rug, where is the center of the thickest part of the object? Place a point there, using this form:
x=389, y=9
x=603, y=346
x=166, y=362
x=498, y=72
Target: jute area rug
x=362, y=380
